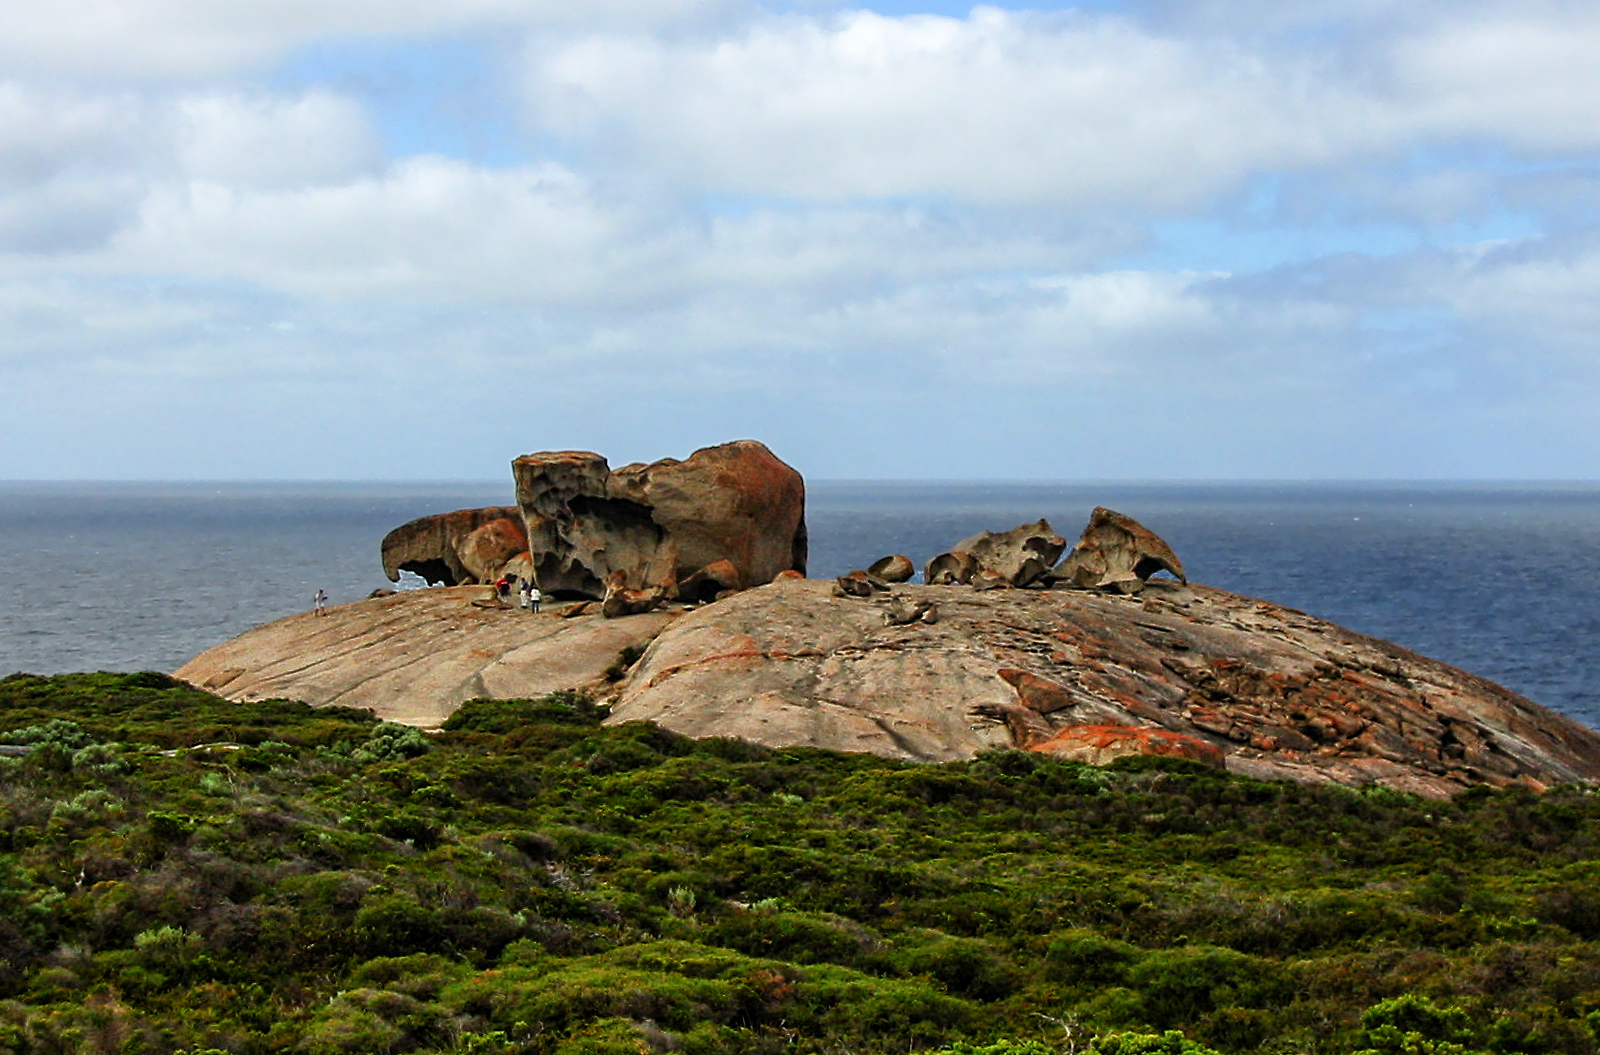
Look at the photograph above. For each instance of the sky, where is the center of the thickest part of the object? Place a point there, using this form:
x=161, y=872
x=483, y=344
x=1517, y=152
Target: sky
x=1121, y=239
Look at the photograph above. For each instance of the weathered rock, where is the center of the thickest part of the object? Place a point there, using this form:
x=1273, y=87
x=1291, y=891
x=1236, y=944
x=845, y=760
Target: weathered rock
x=1277, y=693
x=519, y=567
x=1020, y=557
x=621, y=600
x=455, y=549
x=486, y=550
x=894, y=568
x=858, y=584
x=904, y=609
x=660, y=524
x=708, y=583
x=951, y=569
x=1117, y=553
x=1100, y=744
x=417, y=655
x=1039, y=695
x=1190, y=670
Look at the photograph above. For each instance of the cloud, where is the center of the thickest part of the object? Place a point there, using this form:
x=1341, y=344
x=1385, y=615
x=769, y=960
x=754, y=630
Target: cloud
x=883, y=243
x=1015, y=108
x=260, y=141
x=76, y=168
x=998, y=109
x=72, y=166
x=101, y=40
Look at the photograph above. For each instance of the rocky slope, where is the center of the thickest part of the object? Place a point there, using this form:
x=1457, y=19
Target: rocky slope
x=414, y=656
x=1179, y=669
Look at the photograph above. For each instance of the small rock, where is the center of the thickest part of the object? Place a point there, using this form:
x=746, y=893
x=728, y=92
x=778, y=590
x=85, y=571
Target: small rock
x=857, y=584
x=950, y=569
x=904, y=609
x=895, y=568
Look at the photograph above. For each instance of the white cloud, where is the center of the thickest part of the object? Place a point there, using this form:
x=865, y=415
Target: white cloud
x=998, y=108
x=263, y=141
x=179, y=39
x=1024, y=108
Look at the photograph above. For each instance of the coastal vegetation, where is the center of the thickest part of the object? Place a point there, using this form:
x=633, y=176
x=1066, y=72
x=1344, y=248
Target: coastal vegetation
x=181, y=873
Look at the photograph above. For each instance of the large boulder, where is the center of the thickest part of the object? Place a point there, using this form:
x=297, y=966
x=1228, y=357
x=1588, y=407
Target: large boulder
x=455, y=549
x=736, y=507
x=1019, y=557
x=1118, y=553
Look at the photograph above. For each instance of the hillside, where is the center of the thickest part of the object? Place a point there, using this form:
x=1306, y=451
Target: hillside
x=181, y=872
x=1257, y=688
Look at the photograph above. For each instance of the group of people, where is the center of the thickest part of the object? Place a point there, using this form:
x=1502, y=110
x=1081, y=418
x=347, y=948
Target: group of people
x=528, y=593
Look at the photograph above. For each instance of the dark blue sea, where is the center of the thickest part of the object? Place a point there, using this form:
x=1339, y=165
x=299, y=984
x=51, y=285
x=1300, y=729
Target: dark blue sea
x=1500, y=579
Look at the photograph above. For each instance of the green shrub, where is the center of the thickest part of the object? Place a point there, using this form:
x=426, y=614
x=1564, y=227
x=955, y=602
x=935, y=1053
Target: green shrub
x=59, y=731
x=1182, y=984
x=500, y=717
x=1086, y=958
x=967, y=967
x=1413, y=1025
x=1170, y=1042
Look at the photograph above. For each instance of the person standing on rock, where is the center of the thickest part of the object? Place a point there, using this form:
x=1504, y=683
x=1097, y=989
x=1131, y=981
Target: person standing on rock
x=524, y=600
x=534, y=597
x=319, y=603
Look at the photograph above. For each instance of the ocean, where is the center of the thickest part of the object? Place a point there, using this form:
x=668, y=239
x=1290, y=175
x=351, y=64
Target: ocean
x=1498, y=579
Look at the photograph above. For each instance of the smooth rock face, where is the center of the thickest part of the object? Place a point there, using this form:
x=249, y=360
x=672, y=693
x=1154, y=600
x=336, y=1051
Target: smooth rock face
x=455, y=549
x=417, y=655
x=735, y=506
x=1118, y=553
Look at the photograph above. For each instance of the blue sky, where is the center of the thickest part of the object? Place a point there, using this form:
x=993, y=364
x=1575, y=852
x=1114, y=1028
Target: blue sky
x=1147, y=240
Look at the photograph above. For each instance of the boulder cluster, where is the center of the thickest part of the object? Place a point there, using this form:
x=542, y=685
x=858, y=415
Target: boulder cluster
x=727, y=518
x=1011, y=641
x=1115, y=553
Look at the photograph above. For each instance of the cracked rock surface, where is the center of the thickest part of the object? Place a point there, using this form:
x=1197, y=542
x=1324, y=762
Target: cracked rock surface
x=1186, y=670
x=1261, y=689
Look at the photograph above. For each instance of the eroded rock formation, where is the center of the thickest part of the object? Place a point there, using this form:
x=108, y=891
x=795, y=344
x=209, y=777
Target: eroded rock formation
x=1019, y=557
x=454, y=549
x=1125, y=665
x=734, y=512
x=1118, y=553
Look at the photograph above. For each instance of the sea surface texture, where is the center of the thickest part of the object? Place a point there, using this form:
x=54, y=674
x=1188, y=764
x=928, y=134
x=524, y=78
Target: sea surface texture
x=1500, y=580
